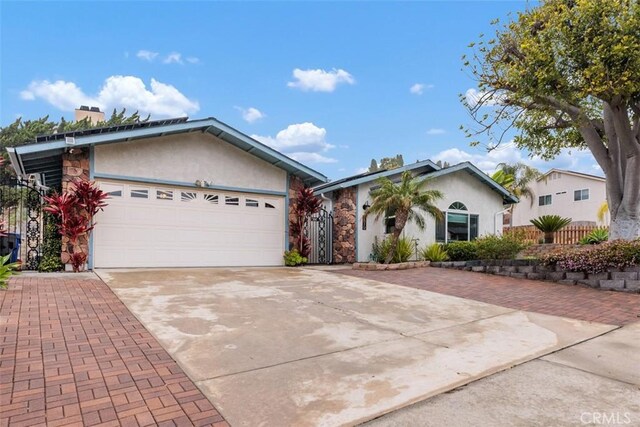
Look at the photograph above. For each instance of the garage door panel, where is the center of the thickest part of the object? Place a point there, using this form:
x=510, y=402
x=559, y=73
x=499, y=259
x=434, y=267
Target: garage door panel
x=188, y=230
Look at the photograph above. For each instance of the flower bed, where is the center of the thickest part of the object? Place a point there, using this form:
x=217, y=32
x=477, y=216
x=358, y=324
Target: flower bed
x=383, y=267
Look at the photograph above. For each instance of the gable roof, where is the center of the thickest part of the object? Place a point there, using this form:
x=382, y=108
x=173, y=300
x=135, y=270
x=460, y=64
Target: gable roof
x=425, y=168
x=43, y=157
x=579, y=174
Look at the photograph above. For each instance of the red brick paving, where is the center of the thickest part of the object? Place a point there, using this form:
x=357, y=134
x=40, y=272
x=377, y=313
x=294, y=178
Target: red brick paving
x=72, y=354
x=577, y=302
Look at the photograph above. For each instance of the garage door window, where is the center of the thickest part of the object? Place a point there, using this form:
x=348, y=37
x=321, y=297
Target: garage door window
x=232, y=201
x=211, y=198
x=252, y=203
x=269, y=206
x=187, y=196
x=164, y=194
x=139, y=193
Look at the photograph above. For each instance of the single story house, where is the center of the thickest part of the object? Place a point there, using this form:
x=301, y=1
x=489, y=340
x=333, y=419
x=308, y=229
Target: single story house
x=570, y=194
x=183, y=193
x=473, y=205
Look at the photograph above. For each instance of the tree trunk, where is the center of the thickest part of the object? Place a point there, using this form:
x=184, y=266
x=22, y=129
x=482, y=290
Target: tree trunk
x=401, y=221
x=548, y=237
x=624, y=225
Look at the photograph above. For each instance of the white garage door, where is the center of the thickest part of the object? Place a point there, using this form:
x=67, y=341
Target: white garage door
x=161, y=226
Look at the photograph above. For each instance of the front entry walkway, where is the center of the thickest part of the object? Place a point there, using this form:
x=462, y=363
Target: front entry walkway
x=71, y=354
x=576, y=302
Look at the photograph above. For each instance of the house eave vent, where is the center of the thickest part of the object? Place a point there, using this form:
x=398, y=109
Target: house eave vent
x=70, y=140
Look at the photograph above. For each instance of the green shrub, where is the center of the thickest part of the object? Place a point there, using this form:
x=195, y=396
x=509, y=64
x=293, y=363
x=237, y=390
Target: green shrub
x=434, y=253
x=596, y=237
x=404, y=250
x=7, y=269
x=616, y=254
x=293, y=258
x=506, y=246
x=462, y=250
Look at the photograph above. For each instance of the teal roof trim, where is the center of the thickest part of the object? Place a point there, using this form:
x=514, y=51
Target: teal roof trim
x=209, y=125
x=364, y=178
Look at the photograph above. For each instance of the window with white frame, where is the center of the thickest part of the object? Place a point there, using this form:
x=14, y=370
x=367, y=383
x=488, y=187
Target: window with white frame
x=579, y=195
x=457, y=224
x=544, y=200
x=389, y=221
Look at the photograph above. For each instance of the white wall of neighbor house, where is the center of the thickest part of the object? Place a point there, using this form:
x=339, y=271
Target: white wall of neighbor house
x=562, y=187
x=456, y=187
x=187, y=158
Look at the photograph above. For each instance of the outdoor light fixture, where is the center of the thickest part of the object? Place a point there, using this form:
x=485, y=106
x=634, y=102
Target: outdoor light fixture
x=366, y=206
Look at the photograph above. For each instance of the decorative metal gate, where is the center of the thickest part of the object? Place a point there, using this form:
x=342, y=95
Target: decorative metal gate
x=21, y=211
x=319, y=231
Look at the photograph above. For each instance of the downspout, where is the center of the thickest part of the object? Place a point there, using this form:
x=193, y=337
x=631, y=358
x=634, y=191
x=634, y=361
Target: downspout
x=495, y=220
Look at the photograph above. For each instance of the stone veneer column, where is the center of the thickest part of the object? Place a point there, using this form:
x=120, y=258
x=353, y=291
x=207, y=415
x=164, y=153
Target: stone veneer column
x=295, y=184
x=75, y=167
x=344, y=226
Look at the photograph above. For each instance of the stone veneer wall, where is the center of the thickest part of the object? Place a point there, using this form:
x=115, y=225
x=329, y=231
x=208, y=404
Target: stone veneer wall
x=295, y=184
x=344, y=226
x=75, y=167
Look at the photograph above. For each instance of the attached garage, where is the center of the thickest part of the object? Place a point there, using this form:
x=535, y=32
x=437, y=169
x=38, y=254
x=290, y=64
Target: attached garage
x=181, y=193
x=162, y=226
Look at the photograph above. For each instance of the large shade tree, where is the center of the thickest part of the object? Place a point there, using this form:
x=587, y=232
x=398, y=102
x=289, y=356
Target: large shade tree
x=566, y=74
x=407, y=200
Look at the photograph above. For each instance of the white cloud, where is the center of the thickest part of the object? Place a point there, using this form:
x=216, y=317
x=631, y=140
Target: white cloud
x=320, y=80
x=436, y=131
x=419, y=88
x=575, y=160
x=475, y=96
x=251, y=114
x=146, y=55
x=302, y=141
x=130, y=92
x=193, y=60
x=173, y=58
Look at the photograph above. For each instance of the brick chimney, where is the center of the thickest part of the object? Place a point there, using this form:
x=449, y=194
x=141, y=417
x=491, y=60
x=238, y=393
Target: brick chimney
x=94, y=114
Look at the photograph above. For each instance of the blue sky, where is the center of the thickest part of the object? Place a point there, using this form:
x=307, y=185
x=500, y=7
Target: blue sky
x=328, y=83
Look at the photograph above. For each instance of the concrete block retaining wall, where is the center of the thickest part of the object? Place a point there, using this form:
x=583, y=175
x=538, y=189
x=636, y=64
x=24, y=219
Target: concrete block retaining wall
x=383, y=267
x=627, y=280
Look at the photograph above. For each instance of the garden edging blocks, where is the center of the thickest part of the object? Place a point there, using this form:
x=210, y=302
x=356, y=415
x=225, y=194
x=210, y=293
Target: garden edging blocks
x=384, y=267
x=625, y=280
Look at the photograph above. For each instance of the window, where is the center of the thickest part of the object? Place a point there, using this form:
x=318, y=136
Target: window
x=211, y=198
x=389, y=221
x=164, y=195
x=458, y=206
x=581, y=195
x=544, y=200
x=187, y=196
x=115, y=193
x=252, y=203
x=140, y=193
x=455, y=226
x=269, y=206
x=231, y=201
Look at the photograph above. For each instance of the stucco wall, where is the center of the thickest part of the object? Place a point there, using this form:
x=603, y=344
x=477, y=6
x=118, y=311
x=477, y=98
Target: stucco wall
x=457, y=187
x=562, y=203
x=187, y=158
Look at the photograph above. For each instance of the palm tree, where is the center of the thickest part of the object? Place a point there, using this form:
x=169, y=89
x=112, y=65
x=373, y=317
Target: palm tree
x=516, y=178
x=404, y=199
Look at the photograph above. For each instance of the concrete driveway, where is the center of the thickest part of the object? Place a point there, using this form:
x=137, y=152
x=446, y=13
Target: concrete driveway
x=306, y=347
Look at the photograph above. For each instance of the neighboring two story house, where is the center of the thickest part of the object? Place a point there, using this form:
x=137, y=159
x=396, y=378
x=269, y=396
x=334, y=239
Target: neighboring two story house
x=569, y=194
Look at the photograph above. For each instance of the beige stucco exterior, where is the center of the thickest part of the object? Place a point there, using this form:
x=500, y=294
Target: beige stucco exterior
x=186, y=158
x=456, y=187
x=561, y=186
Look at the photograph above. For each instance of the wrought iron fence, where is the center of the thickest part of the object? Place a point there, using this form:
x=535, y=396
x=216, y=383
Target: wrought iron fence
x=21, y=212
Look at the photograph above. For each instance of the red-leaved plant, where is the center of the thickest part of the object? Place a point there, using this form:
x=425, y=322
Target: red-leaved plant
x=76, y=209
x=305, y=205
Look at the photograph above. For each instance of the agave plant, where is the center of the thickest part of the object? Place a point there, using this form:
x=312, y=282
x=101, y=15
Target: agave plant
x=549, y=224
x=7, y=269
x=596, y=237
x=435, y=253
